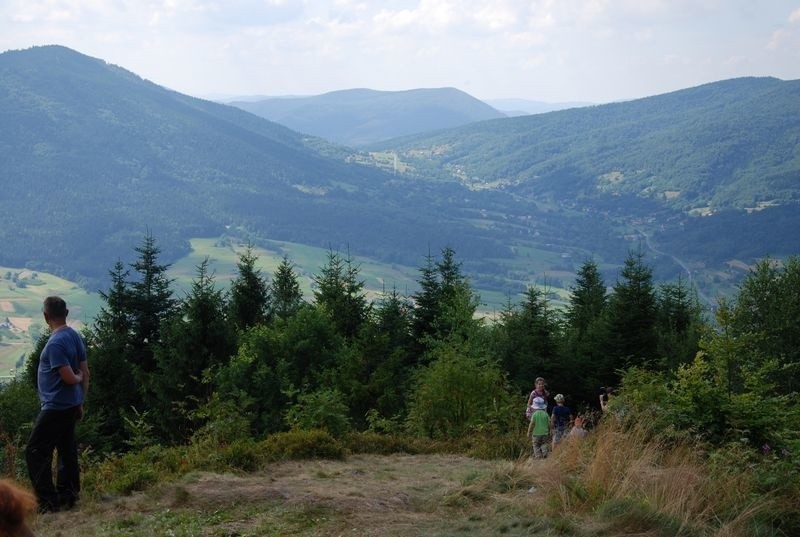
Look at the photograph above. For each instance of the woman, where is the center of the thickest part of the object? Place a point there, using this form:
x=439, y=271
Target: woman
x=538, y=391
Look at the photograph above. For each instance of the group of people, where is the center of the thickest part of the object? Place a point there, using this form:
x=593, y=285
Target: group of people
x=542, y=426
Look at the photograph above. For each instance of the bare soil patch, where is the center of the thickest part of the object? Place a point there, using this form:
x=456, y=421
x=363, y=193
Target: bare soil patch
x=7, y=306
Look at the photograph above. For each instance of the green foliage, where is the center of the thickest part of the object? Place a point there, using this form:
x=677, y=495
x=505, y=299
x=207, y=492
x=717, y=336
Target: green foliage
x=193, y=342
x=340, y=292
x=766, y=319
x=223, y=421
x=301, y=444
x=249, y=299
x=679, y=324
x=632, y=314
x=323, y=409
x=527, y=342
x=386, y=444
x=139, y=430
x=286, y=297
x=19, y=406
x=459, y=392
x=254, y=379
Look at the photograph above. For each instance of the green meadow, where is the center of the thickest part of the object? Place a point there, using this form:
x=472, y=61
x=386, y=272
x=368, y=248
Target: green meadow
x=21, y=295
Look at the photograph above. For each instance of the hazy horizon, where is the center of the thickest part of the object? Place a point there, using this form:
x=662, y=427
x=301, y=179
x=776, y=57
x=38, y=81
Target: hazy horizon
x=571, y=51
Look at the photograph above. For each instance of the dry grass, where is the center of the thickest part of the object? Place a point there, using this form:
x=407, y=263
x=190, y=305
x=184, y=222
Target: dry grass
x=376, y=495
x=631, y=477
x=616, y=481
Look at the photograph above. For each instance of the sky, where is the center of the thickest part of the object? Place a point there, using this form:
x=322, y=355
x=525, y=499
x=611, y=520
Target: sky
x=543, y=50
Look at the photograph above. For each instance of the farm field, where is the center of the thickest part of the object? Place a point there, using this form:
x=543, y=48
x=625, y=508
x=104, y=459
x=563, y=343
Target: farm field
x=21, y=323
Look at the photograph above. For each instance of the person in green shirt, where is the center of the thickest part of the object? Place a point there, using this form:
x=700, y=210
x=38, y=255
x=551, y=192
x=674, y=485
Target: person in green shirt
x=539, y=428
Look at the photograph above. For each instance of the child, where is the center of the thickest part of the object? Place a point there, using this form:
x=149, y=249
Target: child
x=17, y=505
x=560, y=419
x=538, y=391
x=606, y=394
x=539, y=428
x=577, y=430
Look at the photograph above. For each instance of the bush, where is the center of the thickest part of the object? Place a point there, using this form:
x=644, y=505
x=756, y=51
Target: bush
x=459, y=394
x=321, y=409
x=299, y=444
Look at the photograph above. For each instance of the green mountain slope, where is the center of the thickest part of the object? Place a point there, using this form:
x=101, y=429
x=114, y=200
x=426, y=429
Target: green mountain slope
x=731, y=144
x=711, y=175
x=91, y=155
x=361, y=116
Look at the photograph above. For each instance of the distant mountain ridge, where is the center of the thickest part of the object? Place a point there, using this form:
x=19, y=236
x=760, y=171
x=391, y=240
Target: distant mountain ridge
x=358, y=117
x=521, y=107
x=729, y=144
x=92, y=155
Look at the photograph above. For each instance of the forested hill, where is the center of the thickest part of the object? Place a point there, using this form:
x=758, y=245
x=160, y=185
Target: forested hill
x=362, y=116
x=729, y=144
x=91, y=156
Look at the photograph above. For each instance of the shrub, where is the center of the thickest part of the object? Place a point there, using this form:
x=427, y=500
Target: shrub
x=459, y=394
x=321, y=409
x=299, y=444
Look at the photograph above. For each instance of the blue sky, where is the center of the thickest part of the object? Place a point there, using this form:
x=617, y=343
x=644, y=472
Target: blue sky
x=548, y=50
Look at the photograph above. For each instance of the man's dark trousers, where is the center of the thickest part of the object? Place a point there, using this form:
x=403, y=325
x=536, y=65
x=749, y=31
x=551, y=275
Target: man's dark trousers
x=54, y=429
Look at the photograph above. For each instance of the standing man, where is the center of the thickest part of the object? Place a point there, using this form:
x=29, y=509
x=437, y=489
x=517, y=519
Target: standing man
x=63, y=380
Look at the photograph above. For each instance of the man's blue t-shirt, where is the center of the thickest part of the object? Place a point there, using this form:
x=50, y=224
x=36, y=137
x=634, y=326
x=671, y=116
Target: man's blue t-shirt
x=65, y=347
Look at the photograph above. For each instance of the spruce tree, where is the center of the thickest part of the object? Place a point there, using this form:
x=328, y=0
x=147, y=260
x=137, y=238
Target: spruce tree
x=585, y=345
x=151, y=302
x=113, y=391
x=632, y=316
x=195, y=341
x=427, y=303
x=286, y=297
x=341, y=293
x=527, y=340
x=766, y=315
x=249, y=294
x=680, y=323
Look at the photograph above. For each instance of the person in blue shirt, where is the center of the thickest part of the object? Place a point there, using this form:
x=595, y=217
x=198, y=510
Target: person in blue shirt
x=63, y=381
x=560, y=419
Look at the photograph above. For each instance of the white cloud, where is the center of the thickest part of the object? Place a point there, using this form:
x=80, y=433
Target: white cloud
x=566, y=49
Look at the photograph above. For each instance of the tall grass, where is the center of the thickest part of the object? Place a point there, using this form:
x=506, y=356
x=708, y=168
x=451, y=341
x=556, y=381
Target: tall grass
x=633, y=480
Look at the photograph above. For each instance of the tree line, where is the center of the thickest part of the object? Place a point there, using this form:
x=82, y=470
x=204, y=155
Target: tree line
x=258, y=358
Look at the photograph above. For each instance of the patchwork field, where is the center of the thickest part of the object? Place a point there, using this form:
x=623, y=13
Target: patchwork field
x=21, y=323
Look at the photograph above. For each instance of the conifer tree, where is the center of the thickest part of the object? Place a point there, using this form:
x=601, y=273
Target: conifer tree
x=427, y=302
x=632, y=316
x=151, y=303
x=445, y=304
x=528, y=340
x=113, y=391
x=286, y=297
x=196, y=340
x=766, y=315
x=679, y=324
x=586, y=332
x=587, y=299
x=340, y=292
x=249, y=293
